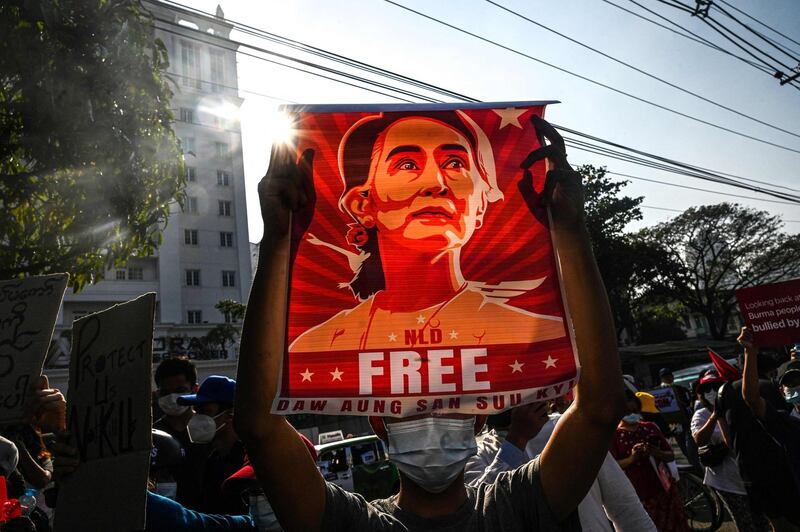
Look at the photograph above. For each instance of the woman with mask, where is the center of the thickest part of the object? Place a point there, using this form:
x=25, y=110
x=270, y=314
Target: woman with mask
x=721, y=470
x=790, y=387
x=643, y=452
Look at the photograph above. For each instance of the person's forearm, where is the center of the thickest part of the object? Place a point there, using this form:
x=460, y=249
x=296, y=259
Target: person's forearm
x=33, y=473
x=626, y=462
x=599, y=391
x=703, y=435
x=750, y=391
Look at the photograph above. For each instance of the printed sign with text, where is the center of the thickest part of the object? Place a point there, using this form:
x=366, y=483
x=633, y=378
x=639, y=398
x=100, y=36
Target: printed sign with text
x=426, y=279
x=109, y=419
x=28, y=312
x=772, y=311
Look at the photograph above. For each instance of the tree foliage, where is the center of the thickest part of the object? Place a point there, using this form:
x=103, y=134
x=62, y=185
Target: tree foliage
x=712, y=251
x=227, y=333
x=89, y=163
x=624, y=261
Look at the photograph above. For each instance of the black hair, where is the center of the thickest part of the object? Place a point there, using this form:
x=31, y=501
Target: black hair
x=499, y=421
x=631, y=397
x=172, y=367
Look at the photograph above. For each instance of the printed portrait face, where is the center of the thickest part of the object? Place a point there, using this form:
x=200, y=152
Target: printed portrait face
x=425, y=190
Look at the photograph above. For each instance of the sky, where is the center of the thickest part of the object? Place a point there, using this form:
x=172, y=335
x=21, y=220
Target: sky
x=385, y=35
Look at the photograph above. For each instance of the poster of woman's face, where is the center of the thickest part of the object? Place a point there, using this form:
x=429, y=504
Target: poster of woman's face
x=424, y=276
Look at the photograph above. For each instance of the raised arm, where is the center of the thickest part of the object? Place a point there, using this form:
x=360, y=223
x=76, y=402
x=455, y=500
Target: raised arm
x=282, y=463
x=750, y=391
x=572, y=458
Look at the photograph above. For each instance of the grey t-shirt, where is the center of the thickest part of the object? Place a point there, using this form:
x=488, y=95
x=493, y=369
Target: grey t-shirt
x=514, y=502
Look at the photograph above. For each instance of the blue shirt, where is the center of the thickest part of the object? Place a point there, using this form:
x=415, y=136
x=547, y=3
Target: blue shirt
x=166, y=515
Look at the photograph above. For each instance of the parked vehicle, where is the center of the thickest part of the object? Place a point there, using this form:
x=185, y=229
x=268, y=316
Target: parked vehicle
x=360, y=465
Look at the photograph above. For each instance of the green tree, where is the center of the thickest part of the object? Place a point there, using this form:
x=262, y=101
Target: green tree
x=89, y=164
x=712, y=251
x=624, y=260
x=224, y=334
x=656, y=323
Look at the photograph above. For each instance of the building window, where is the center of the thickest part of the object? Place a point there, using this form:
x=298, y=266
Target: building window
x=194, y=317
x=191, y=204
x=191, y=174
x=226, y=239
x=120, y=275
x=135, y=274
x=192, y=277
x=228, y=278
x=223, y=178
x=187, y=115
x=190, y=237
x=221, y=149
x=224, y=208
x=187, y=143
x=190, y=66
x=217, y=70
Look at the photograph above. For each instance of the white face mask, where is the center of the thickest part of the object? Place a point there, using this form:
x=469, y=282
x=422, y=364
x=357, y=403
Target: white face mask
x=169, y=405
x=432, y=451
x=792, y=395
x=167, y=489
x=262, y=514
x=201, y=428
x=711, y=397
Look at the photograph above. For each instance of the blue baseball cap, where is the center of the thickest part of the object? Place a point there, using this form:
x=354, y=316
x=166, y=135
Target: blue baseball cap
x=215, y=389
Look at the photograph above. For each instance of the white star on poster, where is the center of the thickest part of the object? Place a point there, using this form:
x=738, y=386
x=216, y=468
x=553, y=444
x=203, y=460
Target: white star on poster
x=453, y=334
x=516, y=367
x=336, y=375
x=509, y=116
x=392, y=337
x=550, y=362
x=420, y=319
x=306, y=376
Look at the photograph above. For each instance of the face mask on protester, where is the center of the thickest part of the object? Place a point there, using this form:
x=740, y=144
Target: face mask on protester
x=167, y=489
x=632, y=418
x=710, y=396
x=263, y=515
x=169, y=405
x=792, y=395
x=432, y=451
x=202, y=428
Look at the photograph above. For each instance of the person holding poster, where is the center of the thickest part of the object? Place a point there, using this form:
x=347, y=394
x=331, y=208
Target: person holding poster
x=429, y=449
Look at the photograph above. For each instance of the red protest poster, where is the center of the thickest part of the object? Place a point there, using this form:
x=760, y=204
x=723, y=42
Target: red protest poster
x=424, y=281
x=772, y=311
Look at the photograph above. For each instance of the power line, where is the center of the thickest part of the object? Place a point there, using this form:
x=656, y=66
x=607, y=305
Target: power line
x=592, y=81
x=643, y=72
x=759, y=22
x=681, y=211
x=690, y=35
x=758, y=34
x=708, y=176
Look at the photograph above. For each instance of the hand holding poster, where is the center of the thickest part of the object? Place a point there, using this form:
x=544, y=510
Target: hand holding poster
x=28, y=312
x=772, y=312
x=426, y=278
x=109, y=419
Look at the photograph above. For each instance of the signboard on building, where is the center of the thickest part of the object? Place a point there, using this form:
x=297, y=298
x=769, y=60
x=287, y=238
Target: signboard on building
x=772, y=311
x=427, y=278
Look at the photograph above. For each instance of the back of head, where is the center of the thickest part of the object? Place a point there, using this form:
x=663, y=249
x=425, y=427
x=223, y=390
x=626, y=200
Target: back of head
x=9, y=457
x=499, y=421
x=167, y=453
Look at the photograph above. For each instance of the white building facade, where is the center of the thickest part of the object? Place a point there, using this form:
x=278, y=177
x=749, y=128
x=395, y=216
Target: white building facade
x=205, y=254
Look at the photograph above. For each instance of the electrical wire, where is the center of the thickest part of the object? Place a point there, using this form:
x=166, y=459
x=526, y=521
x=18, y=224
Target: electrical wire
x=592, y=81
x=759, y=22
x=641, y=71
x=717, y=179
x=690, y=35
x=757, y=33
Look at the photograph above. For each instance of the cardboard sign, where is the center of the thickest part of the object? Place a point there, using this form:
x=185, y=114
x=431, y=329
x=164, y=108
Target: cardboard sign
x=772, y=311
x=666, y=402
x=425, y=280
x=109, y=419
x=28, y=312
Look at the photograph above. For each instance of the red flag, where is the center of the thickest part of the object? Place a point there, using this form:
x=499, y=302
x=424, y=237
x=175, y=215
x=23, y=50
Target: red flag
x=725, y=370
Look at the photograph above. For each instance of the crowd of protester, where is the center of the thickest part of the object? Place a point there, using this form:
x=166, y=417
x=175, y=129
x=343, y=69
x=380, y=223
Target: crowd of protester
x=604, y=462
